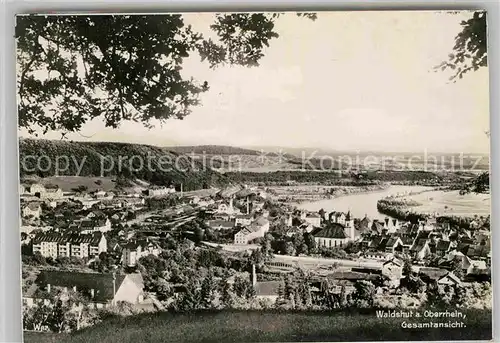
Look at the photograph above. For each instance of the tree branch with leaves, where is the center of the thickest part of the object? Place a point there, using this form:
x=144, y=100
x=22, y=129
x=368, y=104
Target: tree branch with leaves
x=72, y=69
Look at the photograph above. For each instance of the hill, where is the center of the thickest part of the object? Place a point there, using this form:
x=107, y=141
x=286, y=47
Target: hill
x=212, y=150
x=228, y=158
x=156, y=165
x=268, y=326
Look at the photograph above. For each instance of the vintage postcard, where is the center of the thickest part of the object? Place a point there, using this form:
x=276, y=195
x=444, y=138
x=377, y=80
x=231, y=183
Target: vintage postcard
x=254, y=177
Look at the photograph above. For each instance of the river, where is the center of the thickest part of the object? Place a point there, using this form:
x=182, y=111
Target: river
x=360, y=204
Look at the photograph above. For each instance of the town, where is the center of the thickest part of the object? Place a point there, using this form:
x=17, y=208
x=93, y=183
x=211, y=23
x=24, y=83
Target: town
x=166, y=249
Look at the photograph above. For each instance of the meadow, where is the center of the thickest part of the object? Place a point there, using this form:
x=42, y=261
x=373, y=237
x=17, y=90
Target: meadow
x=270, y=326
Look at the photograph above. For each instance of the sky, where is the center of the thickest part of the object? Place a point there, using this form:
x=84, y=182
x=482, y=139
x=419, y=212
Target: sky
x=347, y=81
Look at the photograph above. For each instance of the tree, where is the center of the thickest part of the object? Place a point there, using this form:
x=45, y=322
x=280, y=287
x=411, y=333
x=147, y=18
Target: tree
x=199, y=235
x=407, y=268
x=470, y=50
x=289, y=249
x=364, y=293
x=124, y=67
x=208, y=296
x=310, y=242
x=470, y=53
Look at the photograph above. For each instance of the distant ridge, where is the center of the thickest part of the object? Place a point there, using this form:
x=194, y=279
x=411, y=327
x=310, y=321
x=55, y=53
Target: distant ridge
x=212, y=150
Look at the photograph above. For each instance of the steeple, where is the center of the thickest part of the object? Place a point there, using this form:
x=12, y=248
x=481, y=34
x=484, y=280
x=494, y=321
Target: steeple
x=348, y=216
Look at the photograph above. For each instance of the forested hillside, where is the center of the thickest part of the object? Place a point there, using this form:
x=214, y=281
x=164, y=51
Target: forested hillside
x=156, y=165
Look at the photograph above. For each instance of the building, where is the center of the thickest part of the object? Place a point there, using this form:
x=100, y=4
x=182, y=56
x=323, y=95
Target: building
x=421, y=249
x=449, y=279
x=102, y=290
x=56, y=244
x=220, y=224
x=364, y=225
x=393, y=244
x=160, y=191
x=265, y=290
x=338, y=217
x=314, y=219
x=243, y=219
x=133, y=251
x=32, y=209
x=256, y=229
x=335, y=234
x=393, y=269
x=227, y=207
x=94, y=224
x=52, y=192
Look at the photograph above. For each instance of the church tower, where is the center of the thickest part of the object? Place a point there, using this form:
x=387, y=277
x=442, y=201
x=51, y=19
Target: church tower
x=349, y=224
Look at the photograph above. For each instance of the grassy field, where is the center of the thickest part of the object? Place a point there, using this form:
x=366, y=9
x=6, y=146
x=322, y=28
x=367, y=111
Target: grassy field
x=253, y=326
x=67, y=183
x=452, y=203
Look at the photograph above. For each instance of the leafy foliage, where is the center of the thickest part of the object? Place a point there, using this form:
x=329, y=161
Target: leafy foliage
x=470, y=50
x=124, y=67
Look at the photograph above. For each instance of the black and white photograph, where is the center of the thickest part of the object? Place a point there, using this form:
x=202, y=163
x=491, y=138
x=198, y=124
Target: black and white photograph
x=254, y=176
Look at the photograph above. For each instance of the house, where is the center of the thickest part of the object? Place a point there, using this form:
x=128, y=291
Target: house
x=449, y=279
x=378, y=256
x=265, y=290
x=93, y=225
x=36, y=189
x=243, y=219
x=364, y=225
x=443, y=247
x=56, y=244
x=227, y=208
x=242, y=236
x=314, y=219
x=478, y=251
x=340, y=217
x=392, y=225
x=33, y=209
x=393, y=244
x=52, y=192
x=393, y=269
x=133, y=251
x=378, y=227
x=431, y=275
x=260, y=225
x=220, y=224
x=421, y=249
x=102, y=290
x=477, y=267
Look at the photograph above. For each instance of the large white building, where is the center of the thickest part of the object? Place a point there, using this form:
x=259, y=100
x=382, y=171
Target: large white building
x=51, y=192
x=160, y=191
x=256, y=229
x=314, y=219
x=55, y=244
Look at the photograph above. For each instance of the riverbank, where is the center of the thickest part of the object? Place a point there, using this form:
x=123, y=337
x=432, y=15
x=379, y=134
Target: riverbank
x=440, y=203
x=300, y=194
x=361, y=203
